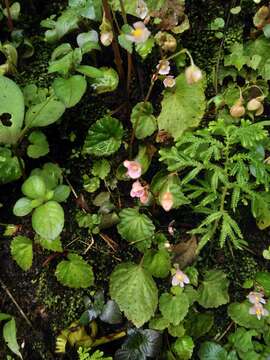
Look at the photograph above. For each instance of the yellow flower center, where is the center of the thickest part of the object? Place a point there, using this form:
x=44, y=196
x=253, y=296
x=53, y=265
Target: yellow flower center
x=137, y=33
x=180, y=277
x=258, y=311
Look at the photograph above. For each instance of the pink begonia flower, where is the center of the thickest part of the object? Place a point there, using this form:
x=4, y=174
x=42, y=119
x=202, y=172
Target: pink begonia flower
x=163, y=67
x=167, y=201
x=140, y=191
x=180, y=278
x=134, y=169
x=142, y=9
x=193, y=74
x=258, y=310
x=139, y=34
x=169, y=81
x=256, y=298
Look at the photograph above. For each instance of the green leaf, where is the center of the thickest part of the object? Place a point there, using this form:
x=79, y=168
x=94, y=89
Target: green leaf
x=10, y=337
x=61, y=193
x=183, y=347
x=22, y=251
x=143, y=121
x=183, y=109
x=91, y=184
x=45, y=113
x=198, y=324
x=22, y=207
x=174, y=307
x=12, y=108
x=131, y=5
x=71, y=90
x=9, y=166
x=241, y=340
x=104, y=137
x=90, y=9
x=74, y=272
x=39, y=146
x=263, y=279
x=124, y=42
x=176, y=330
x=66, y=22
x=237, y=58
x=48, y=220
x=159, y=323
x=136, y=228
x=158, y=262
x=145, y=48
x=54, y=245
x=34, y=187
x=14, y=11
x=134, y=290
x=239, y=313
x=212, y=351
x=106, y=81
x=101, y=168
x=213, y=292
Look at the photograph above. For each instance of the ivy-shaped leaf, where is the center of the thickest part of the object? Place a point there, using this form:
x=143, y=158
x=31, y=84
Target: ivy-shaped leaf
x=104, y=137
x=101, y=168
x=136, y=228
x=74, y=272
x=213, y=291
x=135, y=292
x=239, y=313
x=22, y=251
x=183, y=109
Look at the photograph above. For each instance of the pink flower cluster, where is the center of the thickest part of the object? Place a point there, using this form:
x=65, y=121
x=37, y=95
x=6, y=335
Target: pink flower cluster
x=164, y=68
x=140, y=191
x=257, y=299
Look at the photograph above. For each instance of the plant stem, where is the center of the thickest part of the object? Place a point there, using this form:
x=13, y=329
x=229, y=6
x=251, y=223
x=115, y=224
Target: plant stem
x=9, y=18
x=115, y=46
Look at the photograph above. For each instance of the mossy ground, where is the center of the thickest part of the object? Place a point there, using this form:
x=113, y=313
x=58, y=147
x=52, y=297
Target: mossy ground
x=50, y=306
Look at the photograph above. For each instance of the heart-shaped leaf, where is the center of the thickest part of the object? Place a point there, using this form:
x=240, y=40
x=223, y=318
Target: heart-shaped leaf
x=11, y=111
x=183, y=347
x=158, y=262
x=48, y=220
x=39, y=146
x=135, y=292
x=143, y=121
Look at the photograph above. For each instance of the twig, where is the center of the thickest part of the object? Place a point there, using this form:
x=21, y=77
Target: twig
x=112, y=244
x=225, y=332
x=89, y=246
x=4, y=287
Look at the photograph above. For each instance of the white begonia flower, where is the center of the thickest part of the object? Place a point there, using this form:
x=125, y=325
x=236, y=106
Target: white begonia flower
x=142, y=9
x=139, y=34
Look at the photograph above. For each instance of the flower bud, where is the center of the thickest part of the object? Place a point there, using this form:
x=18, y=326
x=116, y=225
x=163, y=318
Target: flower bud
x=167, y=201
x=237, y=110
x=260, y=110
x=193, y=74
x=106, y=38
x=166, y=41
x=253, y=104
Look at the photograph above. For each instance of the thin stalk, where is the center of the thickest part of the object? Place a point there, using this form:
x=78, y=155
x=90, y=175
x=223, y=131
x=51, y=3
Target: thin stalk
x=115, y=46
x=9, y=18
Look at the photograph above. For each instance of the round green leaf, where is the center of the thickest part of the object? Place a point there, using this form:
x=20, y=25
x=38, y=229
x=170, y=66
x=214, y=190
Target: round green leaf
x=34, y=187
x=135, y=292
x=212, y=351
x=136, y=228
x=48, y=220
x=45, y=113
x=22, y=207
x=183, y=109
x=213, y=291
x=183, y=347
x=104, y=137
x=142, y=120
x=11, y=105
x=75, y=272
x=61, y=193
x=158, y=263
x=174, y=307
x=70, y=91
x=22, y=251
x=239, y=313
